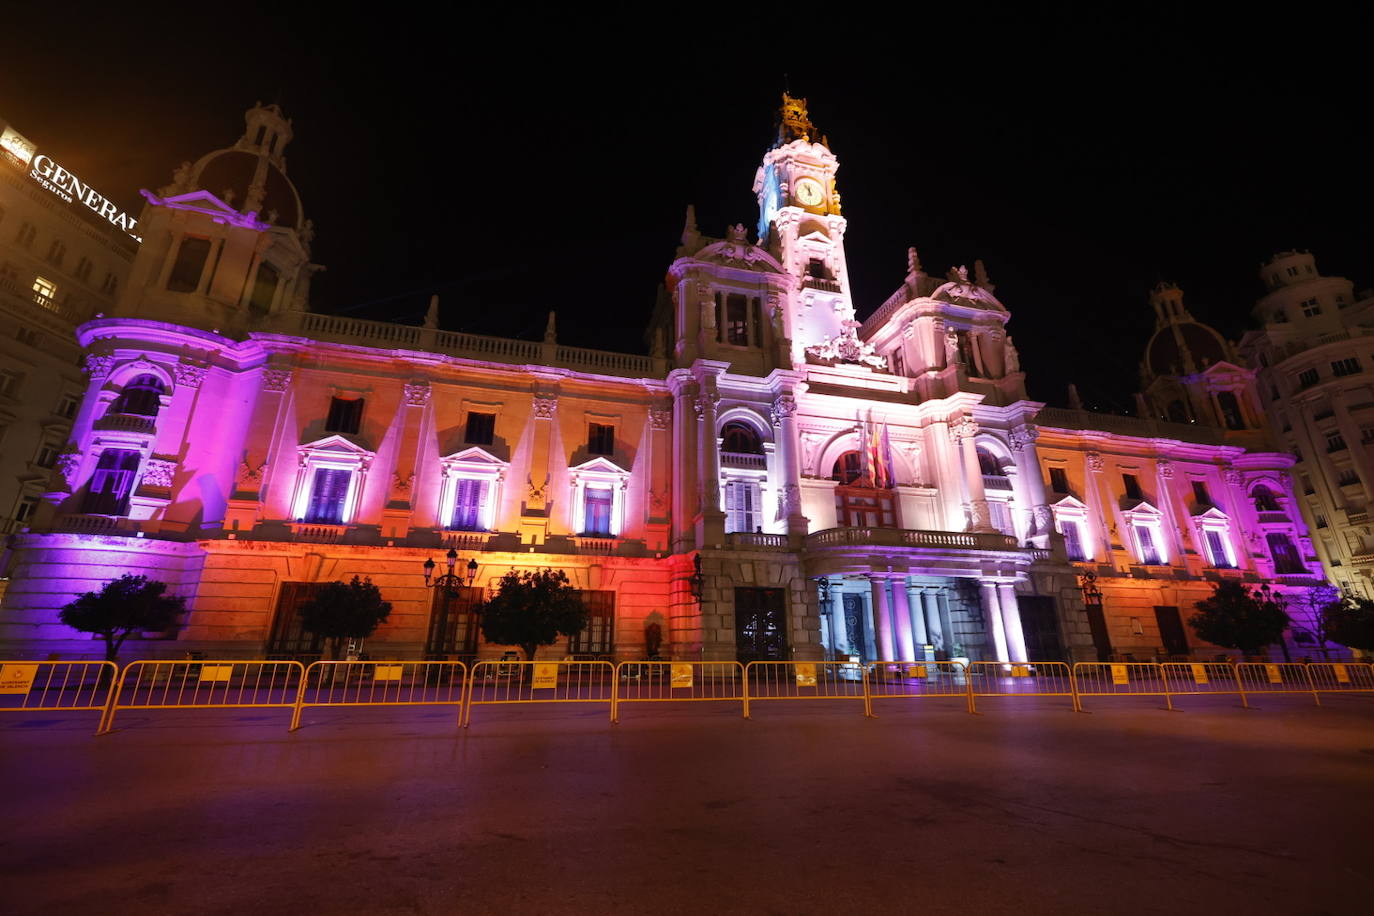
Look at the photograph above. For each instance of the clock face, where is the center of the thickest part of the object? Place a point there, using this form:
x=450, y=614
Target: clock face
x=808, y=192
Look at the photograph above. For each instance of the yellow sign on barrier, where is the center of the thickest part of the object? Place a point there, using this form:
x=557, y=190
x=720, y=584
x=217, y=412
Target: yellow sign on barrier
x=682, y=675
x=1342, y=675
x=1275, y=677
x=1119, y=675
x=216, y=673
x=387, y=672
x=17, y=678
x=1199, y=674
x=545, y=675
x=916, y=671
x=806, y=674
x=1020, y=671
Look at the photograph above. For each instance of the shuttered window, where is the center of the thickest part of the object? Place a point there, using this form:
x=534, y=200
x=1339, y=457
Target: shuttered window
x=469, y=501
x=327, y=494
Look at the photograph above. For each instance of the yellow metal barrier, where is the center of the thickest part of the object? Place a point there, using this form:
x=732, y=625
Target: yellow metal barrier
x=1202, y=679
x=206, y=685
x=382, y=684
x=1023, y=679
x=805, y=681
x=891, y=680
x=57, y=685
x=499, y=682
x=1341, y=677
x=677, y=682
x=1119, y=679
x=1276, y=677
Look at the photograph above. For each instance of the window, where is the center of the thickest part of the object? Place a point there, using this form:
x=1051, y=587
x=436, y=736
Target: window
x=1321, y=520
x=1073, y=543
x=988, y=464
x=965, y=350
x=142, y=397
x=600, y=439
x=28, y=337
x=1200, y=493
x=345, y=415
x=1347, y=478
x=27, y=233
x=56, y=252
x=1286, y=559
x=742, y=504
x=1145, y=542
x=1292, y=271
x=1059, y=480
x=67, y=406
x=739, y=439
x=44, y=291
x=1280, y=317
x=848, y=468
x=1230, y=410
x=999, y=514
x=1216, y=549
x=264, y=287
x=1310, y=307
x=737, y=320
x=112, y=483
x=83, y=269
x=1132, y=485
x=597, y=506
x=599, y=636
x=189, y=265
x=26, y=508
x=111, y=285
x=1335, y=442
x=898, y=362
x=328, y=493
x=481, y=428
x=1264, y=499
x=11, y=382
x=469, y=501
x=1307, y=378
x=1307, y=488
x=1366, y=435
x=816, y=268
x=1345, y=366
x=47, y=455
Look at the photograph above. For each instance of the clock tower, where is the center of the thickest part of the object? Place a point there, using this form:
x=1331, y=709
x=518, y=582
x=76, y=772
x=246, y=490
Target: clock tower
x=800, y=225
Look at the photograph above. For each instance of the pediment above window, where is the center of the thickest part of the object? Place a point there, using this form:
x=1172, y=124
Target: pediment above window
x=474, y=461
x=1211, y=513
x=1068, y=502
x=334, y=446
x=1142, y=511
x=599, y=466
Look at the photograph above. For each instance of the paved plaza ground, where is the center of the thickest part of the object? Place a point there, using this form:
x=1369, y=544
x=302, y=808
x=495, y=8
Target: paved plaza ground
x=809, y=807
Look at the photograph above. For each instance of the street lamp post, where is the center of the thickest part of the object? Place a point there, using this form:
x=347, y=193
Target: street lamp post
x=1276, y=598
x=450, y=585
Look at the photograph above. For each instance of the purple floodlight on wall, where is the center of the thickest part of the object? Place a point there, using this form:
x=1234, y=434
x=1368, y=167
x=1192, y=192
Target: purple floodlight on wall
x=211, y=206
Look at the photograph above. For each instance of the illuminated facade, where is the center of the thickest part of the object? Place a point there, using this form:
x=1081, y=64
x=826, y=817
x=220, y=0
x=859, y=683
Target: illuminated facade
x=776, y=480
x=61, y=262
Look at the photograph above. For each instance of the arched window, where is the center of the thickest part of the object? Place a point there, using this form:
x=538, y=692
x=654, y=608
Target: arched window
x=1230, y=410
x=1264, y=499
x=848, y=469
x=740, y=439
x=1177, y=412
x=112, y=483
x=142, y=397
x=1286, y=559
x=988, y=463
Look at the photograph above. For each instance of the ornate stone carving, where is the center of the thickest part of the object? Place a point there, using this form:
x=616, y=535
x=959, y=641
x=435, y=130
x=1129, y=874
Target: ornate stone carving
x=545, y=407
x=1165, y=468
x=658, y=504
x=98, y=367
x=1044, y=520
x=1232, y=476
x=276, y=379
x=1094, y=461
x=810, y=442
x=1023, y=436
x=249, y=478
x=790, y=504
x=158, y=473
x=67, y=465
x=400, y=486
x=417, y=393
x=189, y=375
x=980, y=517
x=659, y=417
x=846, y=347
x=784, y=408
x=964, y=427
x=536, y=495
x=705, y=404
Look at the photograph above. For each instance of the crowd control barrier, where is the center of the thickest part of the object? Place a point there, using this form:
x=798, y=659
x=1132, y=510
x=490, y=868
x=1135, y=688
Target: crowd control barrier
x=68, y=686
x=1341, y=677
x=805, y=681
x=1119, y=679
x=1275, y=678
x=1201, y=679
x=384, y=683
x=1021, y=679
x=206, y=685
x=500, y=682
x=913, y=680
x=678, y=682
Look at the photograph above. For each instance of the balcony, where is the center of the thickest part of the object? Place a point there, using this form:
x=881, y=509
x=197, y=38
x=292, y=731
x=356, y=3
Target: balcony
x=907, y=537
x=996, y=482
x=821, y=283
x=742, y=460
x=1273, y=518
x=317, y=533
x=96, y=524
x=755, y=540
x=125, y=423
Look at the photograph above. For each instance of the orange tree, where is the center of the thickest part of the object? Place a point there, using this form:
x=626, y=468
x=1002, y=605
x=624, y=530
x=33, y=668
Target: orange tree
x=123, y=606
x=532, y=609
x=1235, y=618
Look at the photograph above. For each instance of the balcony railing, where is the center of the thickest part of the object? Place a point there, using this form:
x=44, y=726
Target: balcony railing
x=94, y=524
x=125, y=422
x=317, y=533
x=996, y=482
x=742, y=460
x=907, y=537
x=1128, y=426
x=821, y=283
x=757, y=540
x=1273, y=518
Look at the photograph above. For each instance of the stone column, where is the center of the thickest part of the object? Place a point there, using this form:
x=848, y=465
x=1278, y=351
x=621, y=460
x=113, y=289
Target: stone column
x=684, y=390
x=1176, y=516
x=980, y=519
x=931, y=599
x=901, y=615
x=916, y=614
x=882, y=618
x=712, y=528
x=992, y=616
x=1011, y=622
x=789, y=463
x=1101, y=551
x=838, y=636
x=1032, y=481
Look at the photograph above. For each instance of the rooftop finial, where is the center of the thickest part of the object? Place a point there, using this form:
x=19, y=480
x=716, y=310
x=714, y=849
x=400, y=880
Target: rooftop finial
x=793, y=122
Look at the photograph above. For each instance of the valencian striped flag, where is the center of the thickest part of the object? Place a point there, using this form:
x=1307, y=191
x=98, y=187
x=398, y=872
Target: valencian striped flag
x=878, y=456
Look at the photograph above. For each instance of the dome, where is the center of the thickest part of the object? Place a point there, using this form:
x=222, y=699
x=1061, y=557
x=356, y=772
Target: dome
x=1206, y=346
x=233, y=170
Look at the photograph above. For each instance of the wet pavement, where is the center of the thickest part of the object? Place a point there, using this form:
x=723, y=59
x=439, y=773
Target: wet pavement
x=1028, y=808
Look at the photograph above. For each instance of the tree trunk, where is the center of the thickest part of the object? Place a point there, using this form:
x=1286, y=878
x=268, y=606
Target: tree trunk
x=529, y=650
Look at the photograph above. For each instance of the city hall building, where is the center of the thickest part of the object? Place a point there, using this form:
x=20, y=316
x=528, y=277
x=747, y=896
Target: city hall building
x=774, y=480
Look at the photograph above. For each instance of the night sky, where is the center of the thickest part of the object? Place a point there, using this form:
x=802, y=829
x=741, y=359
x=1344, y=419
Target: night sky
x=545, y=162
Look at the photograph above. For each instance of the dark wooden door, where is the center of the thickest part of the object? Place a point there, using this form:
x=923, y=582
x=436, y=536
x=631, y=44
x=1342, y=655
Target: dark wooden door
x=854, y=626
x=1171, y=631
x=289, y=636
x=452, y=623
x=1040, y=627
x=760, y=624
x=1097, y=623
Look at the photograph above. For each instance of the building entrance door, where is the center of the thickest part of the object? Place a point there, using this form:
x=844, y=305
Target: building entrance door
x=1171, y=631
x=289, y=637
x=760, y=625
x=854, y=626
x=452, y=623
x=1097, y=624
x=1040, y=626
